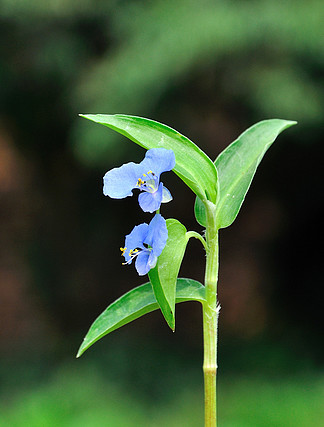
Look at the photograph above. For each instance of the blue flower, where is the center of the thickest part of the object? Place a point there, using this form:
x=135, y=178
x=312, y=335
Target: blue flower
x=145, y=176
x=145, y=243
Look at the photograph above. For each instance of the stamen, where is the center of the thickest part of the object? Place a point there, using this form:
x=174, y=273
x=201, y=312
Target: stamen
x=123, y=250
x=132, y=254
x=140, y=182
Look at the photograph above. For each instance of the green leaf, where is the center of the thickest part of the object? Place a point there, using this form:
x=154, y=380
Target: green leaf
x=135, y=304
x=164, y=275
x=200, y=212
x=237, y=164
x=193, y=166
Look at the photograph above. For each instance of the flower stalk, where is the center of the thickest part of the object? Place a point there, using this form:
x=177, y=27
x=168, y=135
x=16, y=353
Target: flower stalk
x=210, y=318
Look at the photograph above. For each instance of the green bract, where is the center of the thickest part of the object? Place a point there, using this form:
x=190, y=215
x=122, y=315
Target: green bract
x=200, y=212
x=164, y=276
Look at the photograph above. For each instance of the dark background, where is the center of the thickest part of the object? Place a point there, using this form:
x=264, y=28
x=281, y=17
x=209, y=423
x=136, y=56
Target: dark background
x=210, y=70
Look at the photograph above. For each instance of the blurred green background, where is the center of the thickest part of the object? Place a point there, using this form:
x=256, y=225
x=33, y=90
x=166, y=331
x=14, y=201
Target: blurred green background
x=210, y=69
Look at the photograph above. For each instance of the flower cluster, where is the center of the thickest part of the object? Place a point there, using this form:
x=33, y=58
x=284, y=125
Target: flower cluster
x=146, y=241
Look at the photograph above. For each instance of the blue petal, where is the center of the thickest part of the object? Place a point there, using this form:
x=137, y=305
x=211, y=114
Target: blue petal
x=158, y=160
x=142, y=264
x=135, y=239
x=157, y=235
x=166, y=195
x=151, y=202
x=152, y=260
x=119, y=182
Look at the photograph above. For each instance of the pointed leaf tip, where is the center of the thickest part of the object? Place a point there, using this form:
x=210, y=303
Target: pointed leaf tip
x=237, y=165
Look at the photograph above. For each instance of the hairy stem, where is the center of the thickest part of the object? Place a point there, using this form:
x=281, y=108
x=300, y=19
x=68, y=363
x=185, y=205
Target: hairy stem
x=210, y=319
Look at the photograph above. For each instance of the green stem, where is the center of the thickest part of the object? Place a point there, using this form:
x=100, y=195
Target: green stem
x=210, y=318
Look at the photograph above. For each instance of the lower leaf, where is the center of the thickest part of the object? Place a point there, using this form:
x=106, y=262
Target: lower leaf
x=135, y=304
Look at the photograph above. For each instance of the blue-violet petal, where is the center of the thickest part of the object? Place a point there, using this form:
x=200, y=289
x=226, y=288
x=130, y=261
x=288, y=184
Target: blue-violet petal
x=157, y=235
x=159, y=160
x=166, y=195
x=151, y=202
x=142, y=262
x=135, y=239
x=119, y=182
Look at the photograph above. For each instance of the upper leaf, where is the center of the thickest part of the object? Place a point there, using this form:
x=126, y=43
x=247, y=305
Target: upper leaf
x=237, y=164
x=135, y=304
x=193, y=166
x=164, y=275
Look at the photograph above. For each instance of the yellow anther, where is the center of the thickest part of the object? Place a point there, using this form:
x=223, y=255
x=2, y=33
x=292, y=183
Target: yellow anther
x=140, y=182
x=133, y=251
x=123, y=250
